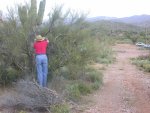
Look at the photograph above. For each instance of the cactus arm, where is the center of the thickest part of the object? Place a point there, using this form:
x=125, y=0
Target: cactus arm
x=41, y=12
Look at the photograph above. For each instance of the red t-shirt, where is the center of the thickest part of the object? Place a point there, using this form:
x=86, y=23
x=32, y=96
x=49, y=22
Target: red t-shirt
x=40, y=47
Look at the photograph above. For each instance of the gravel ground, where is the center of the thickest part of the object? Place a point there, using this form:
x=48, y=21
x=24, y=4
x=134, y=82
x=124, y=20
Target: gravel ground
x=126, y=89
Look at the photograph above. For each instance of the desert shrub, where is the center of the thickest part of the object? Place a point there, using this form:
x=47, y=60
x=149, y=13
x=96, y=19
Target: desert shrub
x=91, y=80
x=103, y=50
x=93, y=75
x=64, y=71
x=96, y=85
x=73, y=92
x=146, y=67
x=133, y=36
x=122, y=40
x=60, y=108
x=143, y=62
x=69, y=72
x=58, y=83
x=105, y=55
x=76, y=81
x=140, y=62
x=8, y=75
x=76, y=90
x=30, y=96
x=75, y=72
x=3, y=72
x=84, y=88
x=22, y=111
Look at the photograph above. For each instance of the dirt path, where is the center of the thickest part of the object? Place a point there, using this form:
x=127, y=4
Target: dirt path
x=126, y=89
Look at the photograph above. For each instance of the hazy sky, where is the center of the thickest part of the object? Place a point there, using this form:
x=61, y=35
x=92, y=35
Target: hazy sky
x=112, y=8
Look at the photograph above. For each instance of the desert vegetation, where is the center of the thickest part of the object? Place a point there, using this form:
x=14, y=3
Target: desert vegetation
x=143, y=62
x=73, y=48
x=75, y=45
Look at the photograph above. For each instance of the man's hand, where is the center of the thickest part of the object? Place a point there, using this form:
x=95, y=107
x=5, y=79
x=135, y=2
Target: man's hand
x=47, y=40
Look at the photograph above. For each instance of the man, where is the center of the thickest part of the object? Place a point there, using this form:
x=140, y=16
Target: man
x=40, y=47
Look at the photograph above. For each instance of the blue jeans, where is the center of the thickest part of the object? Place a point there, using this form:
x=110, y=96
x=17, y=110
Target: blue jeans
x=42, y=69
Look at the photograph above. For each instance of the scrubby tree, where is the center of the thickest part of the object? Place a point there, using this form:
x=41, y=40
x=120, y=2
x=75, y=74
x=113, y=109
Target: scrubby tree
x=133, y=36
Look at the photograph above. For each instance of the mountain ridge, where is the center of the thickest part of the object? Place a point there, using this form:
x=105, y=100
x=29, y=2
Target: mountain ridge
x=138, y=20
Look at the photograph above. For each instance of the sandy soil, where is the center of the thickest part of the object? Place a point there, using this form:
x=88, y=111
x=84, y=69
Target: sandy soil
x=126, y=89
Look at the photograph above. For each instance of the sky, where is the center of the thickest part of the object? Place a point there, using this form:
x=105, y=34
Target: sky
x=111, y=8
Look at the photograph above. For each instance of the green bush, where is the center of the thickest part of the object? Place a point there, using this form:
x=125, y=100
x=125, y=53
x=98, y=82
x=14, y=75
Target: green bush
x=95, y=85
x=74, y=92
x=104, y=53
x=8, y=75
x=84, y=88
x=92, y=80
x=146, y=67
x=94, y=76
x=74, y=71
x=22, y=111
x=61, y=108
x=142, y=62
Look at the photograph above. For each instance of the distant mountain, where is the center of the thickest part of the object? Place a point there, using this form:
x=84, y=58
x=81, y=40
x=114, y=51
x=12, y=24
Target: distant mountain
x=138, y=20
x=134, y=20
x=98, y=18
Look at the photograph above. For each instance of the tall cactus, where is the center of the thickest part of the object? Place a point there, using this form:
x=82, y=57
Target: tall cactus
x=33, y=13
x=30, y=20
x=41, y=12
x=23, y=15
x=33, y=8
x=30, y=15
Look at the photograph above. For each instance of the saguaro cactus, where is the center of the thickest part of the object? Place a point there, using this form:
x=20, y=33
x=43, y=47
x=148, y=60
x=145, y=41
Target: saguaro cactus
x=23, y=16
x=29, y=16
x=30, y=19
x=41, y=12
x=33, y=13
